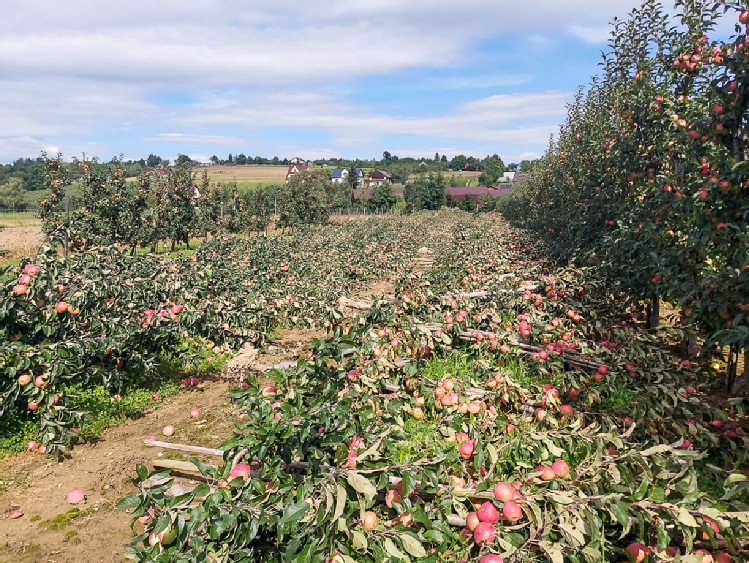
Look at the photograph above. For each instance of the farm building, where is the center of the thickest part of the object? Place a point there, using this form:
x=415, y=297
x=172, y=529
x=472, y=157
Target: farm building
x=340, y=174
x=474, y=193
x=378, y=178
x=294, y=168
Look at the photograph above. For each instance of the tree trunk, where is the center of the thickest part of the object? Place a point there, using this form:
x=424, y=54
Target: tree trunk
x=733, y=364
x=691, y=346
x=654, y=311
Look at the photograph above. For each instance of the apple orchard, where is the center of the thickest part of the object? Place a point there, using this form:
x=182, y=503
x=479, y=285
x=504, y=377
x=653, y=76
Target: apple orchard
x=515, y=400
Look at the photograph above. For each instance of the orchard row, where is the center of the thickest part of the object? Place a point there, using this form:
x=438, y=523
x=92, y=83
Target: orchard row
x=505, y=410
x=102, y=317
x=648, y=179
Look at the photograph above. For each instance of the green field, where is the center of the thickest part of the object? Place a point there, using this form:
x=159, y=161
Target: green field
x=247, y=176
x=25, y=219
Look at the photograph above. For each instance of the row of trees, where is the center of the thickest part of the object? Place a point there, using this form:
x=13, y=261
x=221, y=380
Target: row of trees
x=19, y=181
x=172, y=204
x=648, y=178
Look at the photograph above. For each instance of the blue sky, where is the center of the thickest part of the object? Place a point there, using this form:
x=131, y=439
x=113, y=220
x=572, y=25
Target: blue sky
x=293, y=78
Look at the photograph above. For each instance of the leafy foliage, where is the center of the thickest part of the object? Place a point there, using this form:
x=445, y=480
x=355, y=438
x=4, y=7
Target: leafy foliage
x=648, y=179
x=339, y=437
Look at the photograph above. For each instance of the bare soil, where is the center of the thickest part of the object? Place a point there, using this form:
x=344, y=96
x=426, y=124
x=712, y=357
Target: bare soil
x=103, y=469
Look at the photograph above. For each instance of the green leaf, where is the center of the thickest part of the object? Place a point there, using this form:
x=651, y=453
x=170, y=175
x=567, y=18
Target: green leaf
x=561, y=497
x=656, y=494
x=372, y=452
x=142, y=471
x=130, y=501
x=552, y=550
x=574, y=536
x=328, y=501
x=393, y=551
x=620, y=510
x=293, y=513
x=340, y=501
x=359, y=540
x=226, y=522
x=201, y=491
x=407, y=484
x=493, y=454
x=362, y=485
x=434, y=535
x=412, y=545
x=592, y=554
x=659, y=449
x=686, y=518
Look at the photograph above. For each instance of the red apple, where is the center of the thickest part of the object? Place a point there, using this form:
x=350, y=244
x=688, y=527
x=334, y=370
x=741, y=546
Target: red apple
x=547, y=473
x=242, y=470
x=269, y=391
x=512, y=512
x=636, y=552
x=466, y=449
x=504, y=492
x=484, y=533
x=20, y=289
x=472, y=520
x=560, y=468
x=487, y=512
x=370, y=520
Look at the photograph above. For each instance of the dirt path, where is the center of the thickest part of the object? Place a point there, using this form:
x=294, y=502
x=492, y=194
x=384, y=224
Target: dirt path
x=103, y=469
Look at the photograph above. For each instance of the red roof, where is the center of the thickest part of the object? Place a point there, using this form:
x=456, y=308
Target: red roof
x=475, y=192
x=294, y=168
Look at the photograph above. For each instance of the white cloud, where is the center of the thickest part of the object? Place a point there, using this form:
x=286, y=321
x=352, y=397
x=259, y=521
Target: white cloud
x=207, y=139
x=102, y=76
x=594, y=35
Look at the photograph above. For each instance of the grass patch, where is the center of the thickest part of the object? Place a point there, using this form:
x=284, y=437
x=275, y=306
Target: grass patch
x=459, y=367
x=62, y=521
x=105, y=409
x=618, y=400
x=71, y=536
x=16, y=430
x=30, y=550
x=19, y=219
x=421, y=441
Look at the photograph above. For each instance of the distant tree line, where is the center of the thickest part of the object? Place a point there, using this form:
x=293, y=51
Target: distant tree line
x=23, y=180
